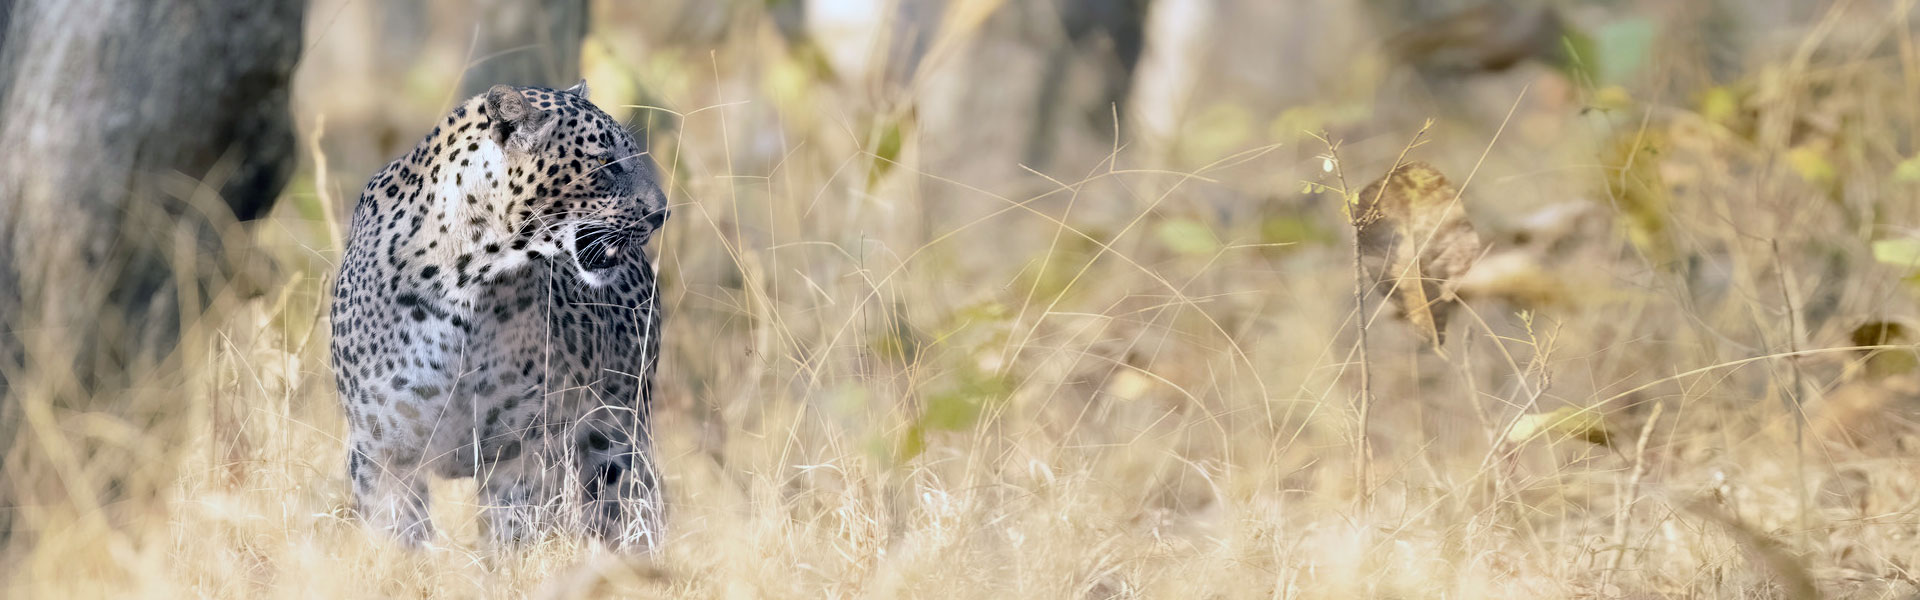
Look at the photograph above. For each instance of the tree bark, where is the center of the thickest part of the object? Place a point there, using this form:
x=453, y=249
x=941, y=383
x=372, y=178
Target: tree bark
x=527, y=42
x=133, y=135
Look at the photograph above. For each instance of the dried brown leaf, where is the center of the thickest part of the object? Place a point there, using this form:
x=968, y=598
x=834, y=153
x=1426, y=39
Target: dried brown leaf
x=1514, y=276
x=1870, y=414
x=1415, y=242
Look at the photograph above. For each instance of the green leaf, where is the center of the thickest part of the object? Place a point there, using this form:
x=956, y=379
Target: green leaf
x=1287, y=229
x=888, y=139
x=898, y=341
x=1216, y=131
x=951, y=412
x=982, y=311
x=1051, y=276
x=960, y=408
x=1577, y=57
x=912, y=443
x=957, y=409
x=1620, y=48
x=1187, y=236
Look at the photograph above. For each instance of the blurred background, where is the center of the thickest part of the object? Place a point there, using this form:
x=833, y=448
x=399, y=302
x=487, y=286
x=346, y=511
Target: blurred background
x=1060, y=298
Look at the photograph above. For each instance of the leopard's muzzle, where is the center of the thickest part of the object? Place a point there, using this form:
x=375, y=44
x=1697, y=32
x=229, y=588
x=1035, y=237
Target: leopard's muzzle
x=599, y=247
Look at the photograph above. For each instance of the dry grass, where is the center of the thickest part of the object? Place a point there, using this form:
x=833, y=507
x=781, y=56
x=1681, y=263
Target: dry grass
x=928, y=372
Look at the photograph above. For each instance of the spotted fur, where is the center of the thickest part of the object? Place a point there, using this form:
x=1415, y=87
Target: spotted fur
x=495, y=318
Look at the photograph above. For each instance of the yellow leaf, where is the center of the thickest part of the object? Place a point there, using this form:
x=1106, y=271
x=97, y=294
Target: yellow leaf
x=1515, y=276
x=1880, y=364
x=789, y=83
x=1612, y=97
x=1903, y=252
x=1634, y=182
x=1908, y=171
x=1128, y=384
x=1720, y=105
x=1567, y=422
x=1811, y=164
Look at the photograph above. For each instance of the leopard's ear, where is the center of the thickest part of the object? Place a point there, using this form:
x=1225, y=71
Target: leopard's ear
x=578, y=89
x=517, y=124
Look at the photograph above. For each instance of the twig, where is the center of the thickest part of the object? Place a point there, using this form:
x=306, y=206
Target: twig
x=1792, y=396
x=1629, y=497
x=334, y=238
x=1362, y=449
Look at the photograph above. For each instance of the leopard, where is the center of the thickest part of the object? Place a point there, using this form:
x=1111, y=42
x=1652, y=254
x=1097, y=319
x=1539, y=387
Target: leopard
x=495, y=316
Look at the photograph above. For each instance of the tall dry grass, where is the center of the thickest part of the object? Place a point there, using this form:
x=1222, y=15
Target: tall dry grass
x=898, y=364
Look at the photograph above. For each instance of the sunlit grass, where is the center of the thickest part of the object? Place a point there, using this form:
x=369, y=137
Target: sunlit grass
x=889, y=372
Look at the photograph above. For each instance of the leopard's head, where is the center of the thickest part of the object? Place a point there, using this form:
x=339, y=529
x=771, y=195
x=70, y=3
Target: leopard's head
x=582, y=190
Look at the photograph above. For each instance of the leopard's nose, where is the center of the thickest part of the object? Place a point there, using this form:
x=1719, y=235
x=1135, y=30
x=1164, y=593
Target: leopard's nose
x=596, y=247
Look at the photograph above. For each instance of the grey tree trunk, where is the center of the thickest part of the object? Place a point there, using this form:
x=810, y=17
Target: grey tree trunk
x=133, y=135
x=527, y=42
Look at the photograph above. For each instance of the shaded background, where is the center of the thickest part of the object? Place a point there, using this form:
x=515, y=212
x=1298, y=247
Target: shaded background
x=1037, y=299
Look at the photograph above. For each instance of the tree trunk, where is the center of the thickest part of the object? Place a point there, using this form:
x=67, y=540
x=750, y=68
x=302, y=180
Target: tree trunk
x=527, y=42
x=133, y=135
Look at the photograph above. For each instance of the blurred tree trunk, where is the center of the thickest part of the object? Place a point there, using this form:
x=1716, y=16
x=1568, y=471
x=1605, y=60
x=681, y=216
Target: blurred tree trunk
x=136, y=134
x=527, y=42
x=1175, y=44
x=1118, y=27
